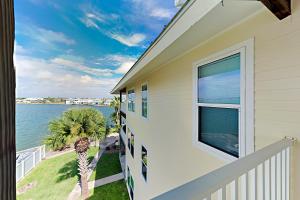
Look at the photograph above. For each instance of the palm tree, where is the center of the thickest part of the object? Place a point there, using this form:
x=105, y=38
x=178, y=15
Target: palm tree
x=77, y=126
x=115, y=103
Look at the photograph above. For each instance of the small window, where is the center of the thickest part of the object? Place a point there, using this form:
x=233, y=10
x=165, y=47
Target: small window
x=130, y=183
x=144, y=162
x=132, y=145
x=144, y=101
x=130, y=142
x=131, y=100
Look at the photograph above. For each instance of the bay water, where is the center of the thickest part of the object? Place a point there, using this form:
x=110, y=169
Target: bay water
x=32, y=121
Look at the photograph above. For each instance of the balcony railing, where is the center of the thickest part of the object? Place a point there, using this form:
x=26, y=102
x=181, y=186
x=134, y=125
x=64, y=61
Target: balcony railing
x=123, y=107
x=264, y=174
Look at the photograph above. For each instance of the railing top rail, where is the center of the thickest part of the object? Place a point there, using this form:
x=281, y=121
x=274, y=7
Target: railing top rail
x=18, y=152
x=211, y=182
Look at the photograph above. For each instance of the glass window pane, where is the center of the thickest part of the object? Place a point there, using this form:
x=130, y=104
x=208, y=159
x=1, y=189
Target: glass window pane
x=219, y=128
x=219, y=81
x=144, y=100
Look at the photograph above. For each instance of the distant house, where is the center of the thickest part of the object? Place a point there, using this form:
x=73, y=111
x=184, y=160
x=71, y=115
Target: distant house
x=83, y=101
x=212, y=106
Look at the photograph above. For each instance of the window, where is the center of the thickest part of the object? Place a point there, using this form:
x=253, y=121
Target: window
x=130, y=142
x=144, y=101
x=223, y=92
x=219, y=83
x=144, y=162
x=130, y=183
x=131, y=100
x=132, y=145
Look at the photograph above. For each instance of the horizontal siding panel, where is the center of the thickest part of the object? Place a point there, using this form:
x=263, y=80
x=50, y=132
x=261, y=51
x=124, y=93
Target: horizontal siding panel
x=290, y=71
x=292, y=83
x=278, y=95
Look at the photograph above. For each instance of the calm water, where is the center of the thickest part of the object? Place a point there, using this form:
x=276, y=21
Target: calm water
x=32, y=121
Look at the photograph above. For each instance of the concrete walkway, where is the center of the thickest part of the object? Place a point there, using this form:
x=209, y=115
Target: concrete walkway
x=76, y=192
x=106, y=180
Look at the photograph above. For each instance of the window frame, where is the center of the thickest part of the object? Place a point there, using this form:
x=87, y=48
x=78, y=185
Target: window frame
x=134, y=100
x=245, y=108
x=143, y=84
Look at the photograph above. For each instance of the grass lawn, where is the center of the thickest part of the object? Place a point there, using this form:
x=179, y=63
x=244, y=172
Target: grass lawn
x=113, y=191
x=108, y=165
x=54, y=178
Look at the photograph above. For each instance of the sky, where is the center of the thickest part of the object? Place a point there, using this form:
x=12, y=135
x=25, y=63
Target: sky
x=81, y=48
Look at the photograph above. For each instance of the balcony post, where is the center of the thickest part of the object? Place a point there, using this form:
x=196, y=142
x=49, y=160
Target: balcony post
x=7, y=102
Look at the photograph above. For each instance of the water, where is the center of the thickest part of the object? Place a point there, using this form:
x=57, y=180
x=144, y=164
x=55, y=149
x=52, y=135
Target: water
x=32, y=121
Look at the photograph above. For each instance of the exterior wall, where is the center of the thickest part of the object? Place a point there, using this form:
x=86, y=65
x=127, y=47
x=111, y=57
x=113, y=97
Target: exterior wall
x=167, y=133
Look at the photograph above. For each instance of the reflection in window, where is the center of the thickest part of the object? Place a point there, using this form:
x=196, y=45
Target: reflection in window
x=131, y=100
x=218, y=127
x=144, y=162
x=219, y=103
x=130, y=182
x=144, y=101
x=219, y=81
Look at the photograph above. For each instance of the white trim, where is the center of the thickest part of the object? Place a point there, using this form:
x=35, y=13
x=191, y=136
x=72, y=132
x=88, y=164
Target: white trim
x=246, y=106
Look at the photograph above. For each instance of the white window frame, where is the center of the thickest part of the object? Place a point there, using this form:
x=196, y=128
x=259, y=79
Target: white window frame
x=246, y=106
x=145, y=83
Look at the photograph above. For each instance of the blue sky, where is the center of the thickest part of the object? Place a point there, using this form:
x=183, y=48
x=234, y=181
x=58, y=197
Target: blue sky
x=82, y=48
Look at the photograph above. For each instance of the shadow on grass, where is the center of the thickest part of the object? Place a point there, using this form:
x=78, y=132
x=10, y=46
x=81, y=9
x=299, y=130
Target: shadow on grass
x=69, y=170
x=109, y=164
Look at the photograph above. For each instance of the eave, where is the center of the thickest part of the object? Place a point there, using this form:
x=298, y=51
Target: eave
x=197, y=22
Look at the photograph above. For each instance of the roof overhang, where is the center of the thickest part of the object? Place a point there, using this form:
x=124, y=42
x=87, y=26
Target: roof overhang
x=197, y=22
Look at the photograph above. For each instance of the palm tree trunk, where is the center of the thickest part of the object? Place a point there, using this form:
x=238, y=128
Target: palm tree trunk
x=83, y=171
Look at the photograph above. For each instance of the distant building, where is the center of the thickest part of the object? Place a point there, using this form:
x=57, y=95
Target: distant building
x=85, y=101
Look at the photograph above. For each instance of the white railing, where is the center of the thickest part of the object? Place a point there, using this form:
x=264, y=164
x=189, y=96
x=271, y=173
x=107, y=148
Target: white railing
x=28, y=159
x=264, y=174
x=123, y=107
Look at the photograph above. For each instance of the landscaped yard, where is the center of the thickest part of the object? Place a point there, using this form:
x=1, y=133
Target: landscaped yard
x=108, y=165
x=112, y=191
x=54, y=178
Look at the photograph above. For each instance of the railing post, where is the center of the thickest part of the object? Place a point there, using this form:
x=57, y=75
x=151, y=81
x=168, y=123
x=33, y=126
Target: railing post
x=33, y=159
x=40, y=149
x=23, y=168
x=44, y=151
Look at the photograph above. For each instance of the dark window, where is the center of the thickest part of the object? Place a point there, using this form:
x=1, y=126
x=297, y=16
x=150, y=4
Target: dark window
x=144, y=101
x=219, y=128
x=144, y=162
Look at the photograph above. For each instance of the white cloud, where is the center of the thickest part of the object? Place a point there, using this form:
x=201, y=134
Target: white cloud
x=80, y=67
x=153, y=8
x=129, y=40
x=161, y=13
x=49, y=36
x=45, y=36
x=18, y=49
x=40, y=78
x=122, y=62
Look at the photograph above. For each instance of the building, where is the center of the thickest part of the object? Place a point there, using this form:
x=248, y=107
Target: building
x=212, y=106
x=79, y=101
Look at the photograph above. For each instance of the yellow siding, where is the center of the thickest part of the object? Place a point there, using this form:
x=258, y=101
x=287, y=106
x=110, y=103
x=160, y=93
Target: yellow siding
x=167, y=134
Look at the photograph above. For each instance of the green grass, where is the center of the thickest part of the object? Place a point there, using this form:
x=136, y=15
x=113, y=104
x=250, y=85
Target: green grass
x=108, y=165
x=55, y=178
x=113, y=191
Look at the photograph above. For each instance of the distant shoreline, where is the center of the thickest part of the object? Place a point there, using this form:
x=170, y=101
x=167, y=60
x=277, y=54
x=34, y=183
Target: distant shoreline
x=62, y=104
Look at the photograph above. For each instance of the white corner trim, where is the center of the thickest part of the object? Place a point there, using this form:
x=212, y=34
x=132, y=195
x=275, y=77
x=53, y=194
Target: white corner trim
x=246, y=110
